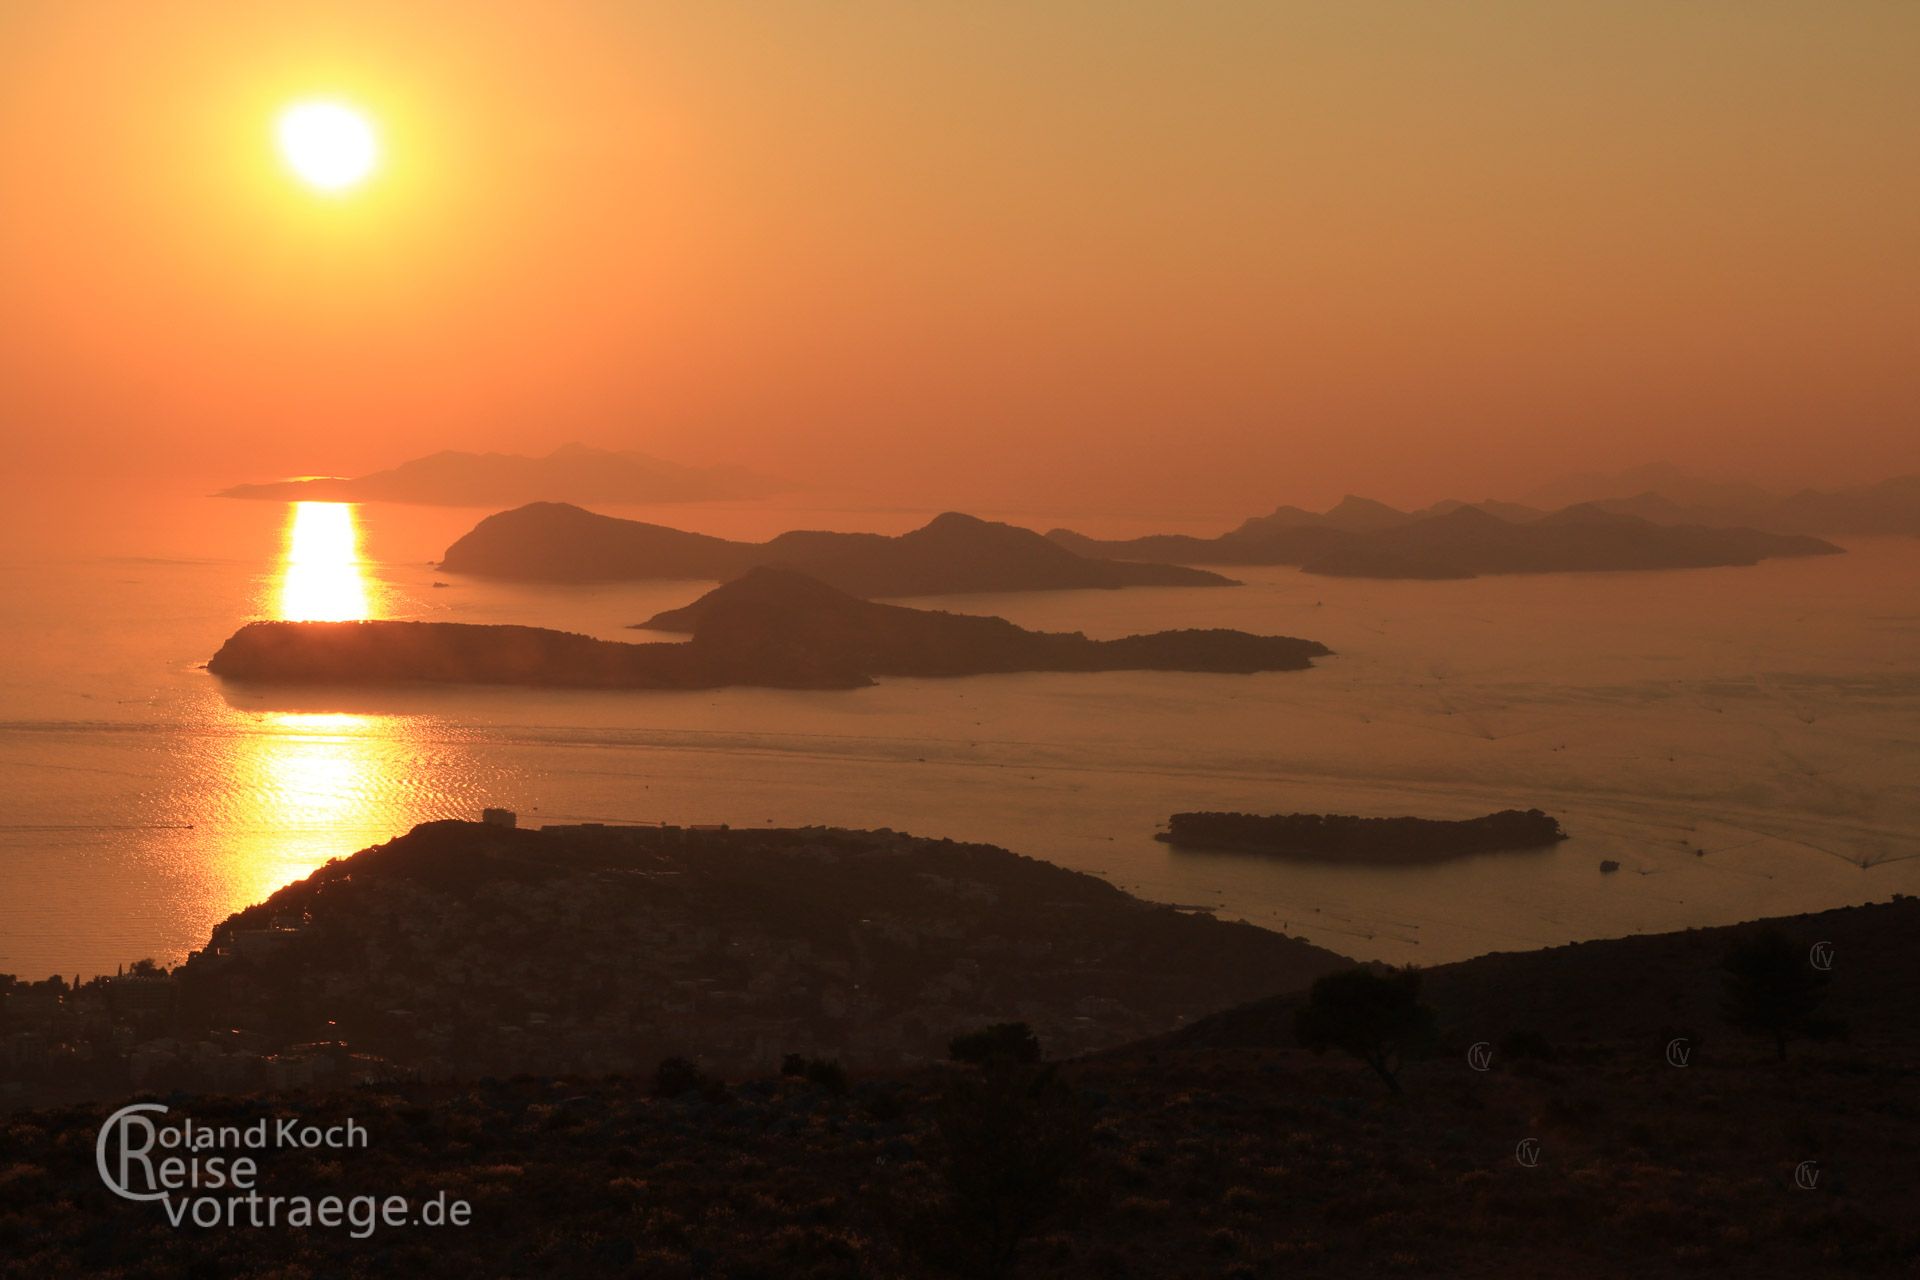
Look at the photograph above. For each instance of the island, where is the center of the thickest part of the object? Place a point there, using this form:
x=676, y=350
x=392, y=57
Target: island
x=952, y=554
x=573, y=473
x=774, y=628
x=1343, y=838
x=1363, y=539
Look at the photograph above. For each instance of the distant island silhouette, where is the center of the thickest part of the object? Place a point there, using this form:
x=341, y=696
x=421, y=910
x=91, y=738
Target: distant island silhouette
x=1341, y=837
x=773, y=628
x=952, y=554
x=1666, y=494
x=1360, y=538
x=572, y=473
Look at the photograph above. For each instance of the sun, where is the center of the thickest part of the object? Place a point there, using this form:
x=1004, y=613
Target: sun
x=329, y=145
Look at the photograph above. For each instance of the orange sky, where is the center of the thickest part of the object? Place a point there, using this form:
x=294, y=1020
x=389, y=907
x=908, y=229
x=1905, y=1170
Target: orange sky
x=1100, y=255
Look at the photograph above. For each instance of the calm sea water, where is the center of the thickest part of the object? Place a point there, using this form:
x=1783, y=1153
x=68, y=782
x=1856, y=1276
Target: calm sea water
x=1769, y=716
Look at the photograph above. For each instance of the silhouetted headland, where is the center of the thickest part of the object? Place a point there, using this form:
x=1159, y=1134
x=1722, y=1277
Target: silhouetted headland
x=572, y=473
x=772, y=628
x=557, y=542
x=1362, y=539
x=596, y=947
x=1344, y=838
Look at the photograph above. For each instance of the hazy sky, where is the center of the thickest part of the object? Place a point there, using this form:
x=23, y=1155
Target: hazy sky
x=1105, y=254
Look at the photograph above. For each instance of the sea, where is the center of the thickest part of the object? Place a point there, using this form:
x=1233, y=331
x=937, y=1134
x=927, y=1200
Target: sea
x=1743, y=742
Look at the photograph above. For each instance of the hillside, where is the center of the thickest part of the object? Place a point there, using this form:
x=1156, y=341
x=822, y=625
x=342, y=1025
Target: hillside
x=953, y=553
x=1220, y=1150
x=463, y=949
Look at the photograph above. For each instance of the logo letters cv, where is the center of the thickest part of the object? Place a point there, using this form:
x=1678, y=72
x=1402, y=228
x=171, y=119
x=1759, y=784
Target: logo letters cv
x=1820, y=956
x=1480, y=1056
x=1679, y=1050
x=1527, y=1153
x=1806, y=1175
x=134, y=1136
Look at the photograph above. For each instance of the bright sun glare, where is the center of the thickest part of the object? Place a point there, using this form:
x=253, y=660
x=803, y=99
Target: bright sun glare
x=321, y=579
x=329, y=145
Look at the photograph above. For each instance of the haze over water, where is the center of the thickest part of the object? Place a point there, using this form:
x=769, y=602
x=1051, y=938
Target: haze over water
x=1765, y=715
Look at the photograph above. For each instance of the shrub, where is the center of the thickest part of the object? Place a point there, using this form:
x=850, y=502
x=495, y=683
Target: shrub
x=1013, y=1138
x=824, y=1072
x=1001, y=1042
x=677, y=1076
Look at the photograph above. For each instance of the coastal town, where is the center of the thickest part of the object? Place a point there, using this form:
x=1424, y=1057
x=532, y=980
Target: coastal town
x=466, y=950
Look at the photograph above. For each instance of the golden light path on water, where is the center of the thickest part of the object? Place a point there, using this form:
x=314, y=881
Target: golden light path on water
x=322, y=578
x=301, y=779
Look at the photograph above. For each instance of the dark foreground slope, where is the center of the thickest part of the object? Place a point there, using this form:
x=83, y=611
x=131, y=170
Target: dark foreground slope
x=555, y=542
x=1223, y=1151
x=1465, y=541
x=773, y=628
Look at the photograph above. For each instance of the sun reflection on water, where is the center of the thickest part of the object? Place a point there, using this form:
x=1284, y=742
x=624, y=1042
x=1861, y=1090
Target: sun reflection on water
x=309, y=788
x=321, y=577
x=302, y=787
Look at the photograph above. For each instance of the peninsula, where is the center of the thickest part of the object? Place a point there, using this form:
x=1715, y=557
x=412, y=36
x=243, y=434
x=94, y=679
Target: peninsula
x=772, y=628
x=465, y=949
x=952, y=554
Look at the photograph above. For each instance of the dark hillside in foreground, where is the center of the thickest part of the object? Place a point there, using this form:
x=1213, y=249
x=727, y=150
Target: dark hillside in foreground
x=952, y=554
x=1220, y=1151
x=1640, y=990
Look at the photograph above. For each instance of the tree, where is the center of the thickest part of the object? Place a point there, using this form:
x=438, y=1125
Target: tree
x=1771, y=989
x=1001, y=1042
x=1378, y=1018
x=1013, y=1140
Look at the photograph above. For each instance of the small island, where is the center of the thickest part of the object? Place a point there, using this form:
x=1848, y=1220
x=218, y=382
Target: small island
x=772, y=628
x=1341, y=837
